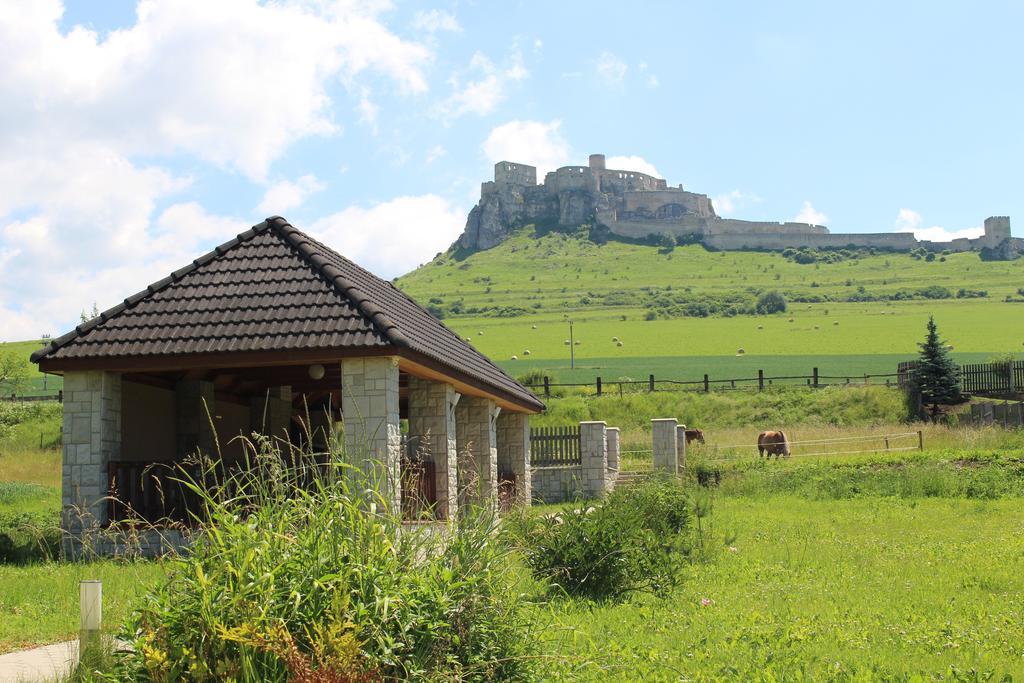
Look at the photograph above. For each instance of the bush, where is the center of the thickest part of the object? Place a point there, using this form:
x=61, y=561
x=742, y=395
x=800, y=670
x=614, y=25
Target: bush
x=771, y=302
x=632, y=541
x=299, y=578
x=29, y=537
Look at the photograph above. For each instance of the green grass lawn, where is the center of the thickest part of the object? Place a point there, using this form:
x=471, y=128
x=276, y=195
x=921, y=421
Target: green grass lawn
x=861, y=589
x=39, y=602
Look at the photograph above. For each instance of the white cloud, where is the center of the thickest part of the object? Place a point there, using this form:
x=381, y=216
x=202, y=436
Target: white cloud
x=610, y=69
x=536, y=143
x=652, y=81
x=435, y=153
x=193, y=76
x=435, y=20
x=632, y=163
x=288, y=194
x=729, y=203
x=486, y=88
x=88, y=119
x=908, y=220
x=393, y=237
x=808, y=214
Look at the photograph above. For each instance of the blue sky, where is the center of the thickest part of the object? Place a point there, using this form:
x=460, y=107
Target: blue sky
x=138, y=135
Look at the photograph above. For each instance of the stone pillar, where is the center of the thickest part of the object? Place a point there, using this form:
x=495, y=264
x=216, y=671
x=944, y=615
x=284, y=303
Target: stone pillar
x=594, y=458
x=664, y=444
x=514, y=453
x=432, y=434
x=681, y=446
x=612, y=435
x=270, y=412
x=92, y=438
x=475, y=427
x=373, y=440
x=195, y=404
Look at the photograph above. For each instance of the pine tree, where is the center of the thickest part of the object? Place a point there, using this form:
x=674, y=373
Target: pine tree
x=937, y=375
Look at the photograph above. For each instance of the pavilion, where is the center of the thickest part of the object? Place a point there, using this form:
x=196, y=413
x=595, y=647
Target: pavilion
x=249, y=338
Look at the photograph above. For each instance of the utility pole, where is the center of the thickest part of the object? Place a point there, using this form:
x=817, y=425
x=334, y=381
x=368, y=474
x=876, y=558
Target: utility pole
x=572, y=348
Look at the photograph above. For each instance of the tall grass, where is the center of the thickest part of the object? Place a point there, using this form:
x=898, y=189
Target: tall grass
x=838, y=406
x=301, y=572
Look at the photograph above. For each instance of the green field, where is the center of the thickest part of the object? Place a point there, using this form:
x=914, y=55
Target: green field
x=851, y=590
x=38, y=383
x=558, y=277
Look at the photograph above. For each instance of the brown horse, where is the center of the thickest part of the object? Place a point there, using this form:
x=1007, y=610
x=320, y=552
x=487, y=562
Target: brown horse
x=772, y=443
x=694, y=435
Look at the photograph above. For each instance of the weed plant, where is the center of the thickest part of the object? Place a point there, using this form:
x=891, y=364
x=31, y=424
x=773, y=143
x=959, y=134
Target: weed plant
x=631, y=542
x=300, y=571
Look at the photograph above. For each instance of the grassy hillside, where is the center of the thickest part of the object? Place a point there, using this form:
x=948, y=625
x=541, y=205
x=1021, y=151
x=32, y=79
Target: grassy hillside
x=515, y=299
x=38, y=382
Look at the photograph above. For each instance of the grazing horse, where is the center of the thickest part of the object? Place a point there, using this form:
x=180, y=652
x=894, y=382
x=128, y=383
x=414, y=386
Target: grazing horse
x=694, y=435
x=772, y=443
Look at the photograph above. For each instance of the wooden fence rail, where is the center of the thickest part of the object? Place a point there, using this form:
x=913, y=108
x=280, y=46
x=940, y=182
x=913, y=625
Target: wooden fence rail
x=554, y=446
x=760, y=382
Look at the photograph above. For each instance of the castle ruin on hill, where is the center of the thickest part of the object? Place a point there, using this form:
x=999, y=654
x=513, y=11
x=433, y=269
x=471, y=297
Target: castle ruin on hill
x=636, y=205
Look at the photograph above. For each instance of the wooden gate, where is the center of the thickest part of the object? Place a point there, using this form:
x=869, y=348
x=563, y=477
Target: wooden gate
x=419, y=489
x=554, y=446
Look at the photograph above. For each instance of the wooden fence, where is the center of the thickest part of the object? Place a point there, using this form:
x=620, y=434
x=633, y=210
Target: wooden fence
x=554, y=446
x=759, y=383
x=978, y=378
x=58, y=397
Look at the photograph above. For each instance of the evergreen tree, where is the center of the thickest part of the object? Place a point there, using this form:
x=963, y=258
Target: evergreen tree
x=937, y=375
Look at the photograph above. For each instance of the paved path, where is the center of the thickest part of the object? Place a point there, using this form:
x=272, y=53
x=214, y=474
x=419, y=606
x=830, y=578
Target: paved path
x=45, y=663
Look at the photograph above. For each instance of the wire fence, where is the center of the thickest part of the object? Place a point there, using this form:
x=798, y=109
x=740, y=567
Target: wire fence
x=847, y=445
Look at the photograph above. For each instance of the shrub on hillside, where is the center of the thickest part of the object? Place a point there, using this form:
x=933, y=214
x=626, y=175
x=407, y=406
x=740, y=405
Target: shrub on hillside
x=635, y=540
x=771, y=302
x=298, y=577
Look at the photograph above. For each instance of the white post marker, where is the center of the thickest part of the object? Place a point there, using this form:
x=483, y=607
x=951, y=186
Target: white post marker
x=91, y=614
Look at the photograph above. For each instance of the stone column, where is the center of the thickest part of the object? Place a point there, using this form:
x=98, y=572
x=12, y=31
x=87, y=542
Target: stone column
x=665, y=444
x=195, y=404
x=612, y=435
x=373, y=440
x=92, y=438
x=270, y=412
x=681, y=446
x=475, y=427
x=432, y=434
x=514, y=453
x=594, y=458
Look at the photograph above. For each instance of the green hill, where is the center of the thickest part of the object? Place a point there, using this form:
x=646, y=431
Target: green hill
x=641, y=309
x=38, y=383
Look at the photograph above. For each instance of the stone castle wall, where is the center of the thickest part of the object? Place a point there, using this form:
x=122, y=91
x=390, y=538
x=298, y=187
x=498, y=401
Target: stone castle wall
x=779, y=241
x=636, y=205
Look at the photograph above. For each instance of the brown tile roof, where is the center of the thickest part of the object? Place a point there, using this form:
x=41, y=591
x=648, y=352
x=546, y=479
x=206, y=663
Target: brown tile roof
x=274, y=288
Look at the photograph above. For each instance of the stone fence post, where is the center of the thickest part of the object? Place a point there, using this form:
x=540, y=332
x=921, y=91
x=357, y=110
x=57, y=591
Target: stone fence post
x=664, y=437
x=594, y=458
x=612, y=435
x=681, y=446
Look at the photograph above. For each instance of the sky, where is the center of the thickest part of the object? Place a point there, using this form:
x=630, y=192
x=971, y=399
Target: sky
x=135, y=136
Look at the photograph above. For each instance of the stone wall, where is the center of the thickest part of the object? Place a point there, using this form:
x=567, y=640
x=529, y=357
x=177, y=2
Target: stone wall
x=369, y=406
x=511, y=173
x=513, y=435
x=887, y=240
x=92, y=438
x=651, y=202
x=557, y=484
